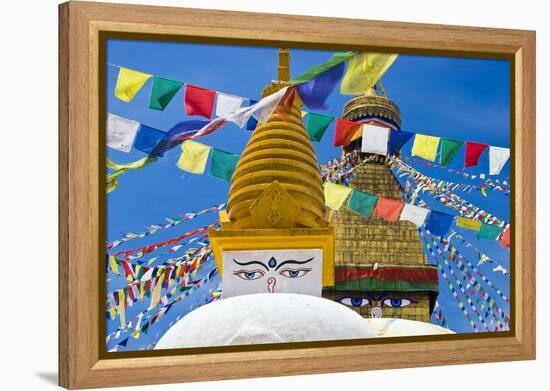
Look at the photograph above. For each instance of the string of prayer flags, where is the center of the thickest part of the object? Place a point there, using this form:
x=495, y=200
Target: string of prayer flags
x=425, y=146
x=193, y=157
x=489, y=231
x=344, y=131
x=389, y=209
x=162, y=92
x=362, y=202
x=316, y=70
x=147, y=138
x=375, y=139
x=336, y=195
x=473, y=153
x=317, y=125
x=129, y=82
x=315, y=92
x=398, y=138
x=199, y=101
x=121, y=132
x=226, y=104
x=223, y=164
x=468, y=223
x=364, y=70
x=448, y=150
x=505, y=238
x=439, y=223
x=415, y=214
x=497, y=159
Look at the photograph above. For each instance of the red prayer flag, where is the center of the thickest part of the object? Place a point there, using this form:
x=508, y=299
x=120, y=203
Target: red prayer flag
x=199, y=101
x=388, y=208
x=473, y=153
x=344, y=131
x=505, y=239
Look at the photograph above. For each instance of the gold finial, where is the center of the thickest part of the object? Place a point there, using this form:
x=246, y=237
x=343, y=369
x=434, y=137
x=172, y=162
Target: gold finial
x=284, y=64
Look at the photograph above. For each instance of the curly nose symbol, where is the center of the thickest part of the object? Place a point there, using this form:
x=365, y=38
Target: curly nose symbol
x=271, y=284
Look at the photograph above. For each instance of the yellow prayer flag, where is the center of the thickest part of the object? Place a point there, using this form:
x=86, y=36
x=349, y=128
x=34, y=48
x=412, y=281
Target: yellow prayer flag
x=304, y=113
x=467, y=223
x=193, y=157
x=425, y=146
x=155, y=297
x=129, y=82
x=364, y=70
x=335, y=195
x=112, y=263
x=122, y=308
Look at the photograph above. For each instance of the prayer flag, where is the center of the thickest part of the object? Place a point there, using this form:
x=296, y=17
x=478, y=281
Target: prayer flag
x=344, y=131
x=162, y=92
x=317, y=125
x=335, y=195
x=489, y=231
x=398, y=138
x=473, y=153
x=439, y=223
x=227, y=104
x=155, y=297
x=252, y=122
x=389, y=209
x=468, y=224
x=505, y=238
x=223, y=164
x=375, y=139
x=315, y=92
x=199, y=101
x=147, y=138
x=193, y=157
x=316, y=70
x=121, y=132
x=415, y=214
x=362, y=202
x=497, y=159
x=425, y=146
x=448, y=150
x=364, y=70
x=261, y=110
x=128, y=83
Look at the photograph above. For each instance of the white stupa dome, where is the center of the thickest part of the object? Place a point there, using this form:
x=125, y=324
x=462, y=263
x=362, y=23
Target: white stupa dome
x=389, y=327
x=265, y=318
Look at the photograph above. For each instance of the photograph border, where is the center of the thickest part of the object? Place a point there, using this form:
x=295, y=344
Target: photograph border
x=83, y=32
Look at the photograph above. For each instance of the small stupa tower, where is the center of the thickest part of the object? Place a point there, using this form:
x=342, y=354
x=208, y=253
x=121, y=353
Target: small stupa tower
x=276, y=200
x=381, y=269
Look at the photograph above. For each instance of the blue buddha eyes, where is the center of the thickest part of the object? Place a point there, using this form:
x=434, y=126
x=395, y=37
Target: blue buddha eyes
x=397, y=303
x=354, y=301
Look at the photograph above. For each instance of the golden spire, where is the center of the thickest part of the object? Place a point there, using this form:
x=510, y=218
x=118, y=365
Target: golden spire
x=284, y=64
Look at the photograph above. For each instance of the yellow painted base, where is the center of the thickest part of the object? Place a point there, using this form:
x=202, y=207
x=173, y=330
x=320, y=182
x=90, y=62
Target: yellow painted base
x=276, y=239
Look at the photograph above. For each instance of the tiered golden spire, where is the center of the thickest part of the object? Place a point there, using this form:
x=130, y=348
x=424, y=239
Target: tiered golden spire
x=277, y=182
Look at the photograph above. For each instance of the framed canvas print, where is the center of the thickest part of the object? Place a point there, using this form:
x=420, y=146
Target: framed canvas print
x=258, y=195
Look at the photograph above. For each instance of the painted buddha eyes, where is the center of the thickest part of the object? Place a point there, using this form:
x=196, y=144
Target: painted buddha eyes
x=354, y=301
x=272, y=266
x=397, y=303
x=294, y=273
x=249, y=275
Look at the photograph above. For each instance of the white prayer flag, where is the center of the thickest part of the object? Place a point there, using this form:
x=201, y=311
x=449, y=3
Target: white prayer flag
x=121, y=132
x=375, y=139
x=414, y=214
x=497, y=159
x=227, y=104
x=261, y=110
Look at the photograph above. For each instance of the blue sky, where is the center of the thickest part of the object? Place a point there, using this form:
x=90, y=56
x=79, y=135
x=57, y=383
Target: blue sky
x=465, y=99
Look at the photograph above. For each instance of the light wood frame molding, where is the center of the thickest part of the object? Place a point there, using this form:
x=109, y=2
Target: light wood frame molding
x=82, y=362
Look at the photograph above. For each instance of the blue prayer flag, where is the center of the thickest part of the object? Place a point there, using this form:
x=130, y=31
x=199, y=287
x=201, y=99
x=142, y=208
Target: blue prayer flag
x=439, y=223
x=315, y=92
x=147, y=138
x=398, y=138
x=252, y=122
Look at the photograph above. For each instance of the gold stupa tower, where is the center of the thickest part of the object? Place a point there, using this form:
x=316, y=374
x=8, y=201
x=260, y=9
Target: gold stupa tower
x=276, y=198
x=381, y=269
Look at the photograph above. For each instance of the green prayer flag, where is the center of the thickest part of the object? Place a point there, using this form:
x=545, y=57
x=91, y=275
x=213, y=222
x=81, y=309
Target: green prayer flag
x=162, y=92
x=489, y=231
x=223, y=164
x=362, y=203
x=317, y=125
x=448, y=150
x=316, y=70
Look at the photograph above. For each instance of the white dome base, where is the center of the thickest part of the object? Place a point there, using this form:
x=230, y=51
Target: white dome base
x=389, y=327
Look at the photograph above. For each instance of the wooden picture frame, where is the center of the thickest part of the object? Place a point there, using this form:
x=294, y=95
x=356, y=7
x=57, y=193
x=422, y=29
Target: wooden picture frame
x=82, y=28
